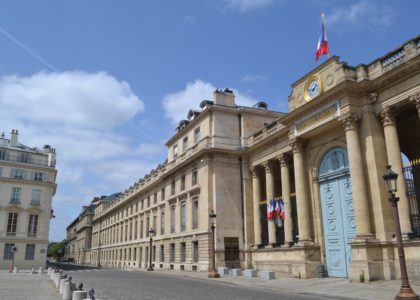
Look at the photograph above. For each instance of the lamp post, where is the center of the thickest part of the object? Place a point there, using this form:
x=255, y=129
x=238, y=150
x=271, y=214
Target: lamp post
x=212, y=269
x=151, y=232
x=405, y=292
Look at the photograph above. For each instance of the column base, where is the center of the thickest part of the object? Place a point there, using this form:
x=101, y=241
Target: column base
x=406, y=293
x=287, y=245
x=213, y=274
x=364, y=237
x=304, y=242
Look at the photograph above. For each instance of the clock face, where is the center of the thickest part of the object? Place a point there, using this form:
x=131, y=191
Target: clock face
x=313, y=89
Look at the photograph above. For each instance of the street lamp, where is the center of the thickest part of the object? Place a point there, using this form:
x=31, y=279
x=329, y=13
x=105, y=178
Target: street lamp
x=151, y=233
x=405, y=292
x=212, y=269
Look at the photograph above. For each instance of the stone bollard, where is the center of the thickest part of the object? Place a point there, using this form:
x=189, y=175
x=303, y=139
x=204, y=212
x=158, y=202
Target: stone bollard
x=52, y=274
x=49, y=271
x=32, y=270
x=62, y=281
x=57, y=279
x=15, y=270
x=67, y=290
x=79, y=295
x=41, y=270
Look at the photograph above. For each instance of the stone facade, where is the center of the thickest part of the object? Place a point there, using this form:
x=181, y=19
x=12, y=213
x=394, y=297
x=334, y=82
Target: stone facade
x=27, y=185
x=324, y=161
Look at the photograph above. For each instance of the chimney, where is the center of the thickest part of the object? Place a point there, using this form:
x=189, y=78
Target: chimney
x=3, y=140
x=226, y=97
x=14, y=138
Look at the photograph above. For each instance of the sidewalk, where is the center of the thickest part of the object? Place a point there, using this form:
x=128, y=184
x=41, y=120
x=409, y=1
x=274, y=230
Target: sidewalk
x=337, y=288
x=26, y=286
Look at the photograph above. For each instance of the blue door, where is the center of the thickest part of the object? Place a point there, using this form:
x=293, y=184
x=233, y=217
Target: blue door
x=337, y=211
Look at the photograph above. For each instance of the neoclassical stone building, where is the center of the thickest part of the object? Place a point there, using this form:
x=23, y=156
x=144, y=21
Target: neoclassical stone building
x=324, y=160
x=27, y=185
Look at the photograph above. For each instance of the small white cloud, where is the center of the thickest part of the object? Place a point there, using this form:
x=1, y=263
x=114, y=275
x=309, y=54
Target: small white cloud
x=253, y=78
x=176, y=105
x=363, y=15
x=247, y=5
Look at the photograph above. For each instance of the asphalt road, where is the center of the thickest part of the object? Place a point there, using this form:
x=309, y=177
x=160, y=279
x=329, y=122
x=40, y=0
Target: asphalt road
x=123, y=285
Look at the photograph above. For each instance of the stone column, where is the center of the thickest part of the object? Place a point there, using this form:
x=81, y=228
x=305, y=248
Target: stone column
x=285, y=188
x=256, y=199
x=393, y=152
x=415, y=99
x=269, y=186
x=358, y=181
x=301, y=192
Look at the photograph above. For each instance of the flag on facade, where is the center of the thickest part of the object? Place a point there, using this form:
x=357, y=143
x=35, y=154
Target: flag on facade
x=270, y=209
x=322, y=41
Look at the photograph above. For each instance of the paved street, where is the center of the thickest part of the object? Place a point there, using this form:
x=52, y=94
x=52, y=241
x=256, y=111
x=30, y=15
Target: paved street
x=123, y=285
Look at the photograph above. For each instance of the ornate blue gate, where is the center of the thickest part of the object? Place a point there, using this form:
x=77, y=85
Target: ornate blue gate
x=337, y=211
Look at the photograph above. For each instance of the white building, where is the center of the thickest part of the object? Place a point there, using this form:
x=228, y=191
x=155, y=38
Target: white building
x=27, y=185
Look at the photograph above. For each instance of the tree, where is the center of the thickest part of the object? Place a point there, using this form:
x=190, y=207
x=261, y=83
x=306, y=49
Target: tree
x=55, y=249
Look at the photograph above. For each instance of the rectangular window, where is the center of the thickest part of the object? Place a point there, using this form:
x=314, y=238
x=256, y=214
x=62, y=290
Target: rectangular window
x=147, y=225
x=155, y=198
x=12, y=223
x=175, y=151
x=183, y=252
x=154, y=223
x=185, y=144
x=183, y=216
x=162, y=253
x=141, y=229
x=16, y=194
x=154, y=253
x=8, y=254
x=1, y=171
x=135, y=230
x=134, y=254
x=194, y=177
x=196, y=135
x=172, y=258
x=148, y=202
x=182, y=182
x=173, y=187
x=24, y=158
x=2, y=155
x=18, y=173
x=30, y=252
x=32, y=226
x=137, y=207
x=36, y=197
x=162, y=194
x=195, y=213
x=38, y=176
x=162, y=223
x=172, y=218
x=195, y=251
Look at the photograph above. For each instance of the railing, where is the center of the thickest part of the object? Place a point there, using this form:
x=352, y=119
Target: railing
x=394, y=59
x=412, y=179
x=27, y=160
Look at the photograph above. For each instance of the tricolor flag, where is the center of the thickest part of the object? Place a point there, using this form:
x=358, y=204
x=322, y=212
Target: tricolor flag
x=322, y=41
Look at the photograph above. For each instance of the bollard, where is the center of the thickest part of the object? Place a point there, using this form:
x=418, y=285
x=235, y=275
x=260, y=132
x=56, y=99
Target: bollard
x=15, y=270
x=79, y=295
x=62, y=281
x=41, y=270
x=52, y=274
x=67, y=290
x=57, y=279
x=49, y=271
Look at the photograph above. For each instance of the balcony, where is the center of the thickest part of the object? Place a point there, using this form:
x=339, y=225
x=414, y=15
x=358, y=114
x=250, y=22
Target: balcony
x=27, y=160
x=14, y=201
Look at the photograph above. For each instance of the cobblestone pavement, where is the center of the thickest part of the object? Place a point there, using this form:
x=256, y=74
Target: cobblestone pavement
x=26, y=286
x=124, y=285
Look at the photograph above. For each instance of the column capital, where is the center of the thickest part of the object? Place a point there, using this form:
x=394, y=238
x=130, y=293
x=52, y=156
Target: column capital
x=349, y=121
x=388, y=116
x=297, y=145
x=415, y=99
x=253, y=171
x=284, y=159
x=267, y=165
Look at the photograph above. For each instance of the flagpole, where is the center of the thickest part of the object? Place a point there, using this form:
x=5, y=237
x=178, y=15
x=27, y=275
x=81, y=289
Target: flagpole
x=323, y=24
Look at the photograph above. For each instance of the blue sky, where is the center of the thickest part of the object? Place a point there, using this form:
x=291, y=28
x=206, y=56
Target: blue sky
x=104, y=82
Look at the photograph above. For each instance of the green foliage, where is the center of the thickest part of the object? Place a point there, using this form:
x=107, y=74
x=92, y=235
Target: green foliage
x=362, y=276
x=56, y=250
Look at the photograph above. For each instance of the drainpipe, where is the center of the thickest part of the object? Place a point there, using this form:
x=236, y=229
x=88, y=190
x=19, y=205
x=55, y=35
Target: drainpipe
x=241, y=177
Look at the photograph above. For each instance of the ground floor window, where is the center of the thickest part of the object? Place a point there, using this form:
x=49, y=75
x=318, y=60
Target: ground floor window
x=30, y=252
x=8, y=254
x=195, y=251
x=183, y=252
x=172, y=258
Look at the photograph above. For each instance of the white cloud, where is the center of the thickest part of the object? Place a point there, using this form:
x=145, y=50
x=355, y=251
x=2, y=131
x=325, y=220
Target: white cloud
x=247, y=5
x=190, y=19
x=253, y=78
x=78, y=113
x=177, y=104
x=363, y=14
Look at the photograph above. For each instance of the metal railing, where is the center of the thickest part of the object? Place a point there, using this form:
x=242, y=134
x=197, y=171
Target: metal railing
x=412, y=179
x=27, y=160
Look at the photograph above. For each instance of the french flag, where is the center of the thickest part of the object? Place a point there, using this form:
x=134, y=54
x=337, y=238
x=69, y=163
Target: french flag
x=322, y=41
